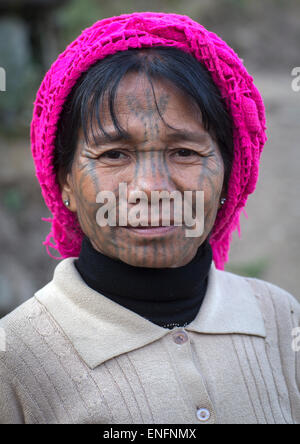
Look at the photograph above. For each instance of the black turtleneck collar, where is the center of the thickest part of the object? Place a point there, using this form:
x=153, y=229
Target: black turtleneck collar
x=165, y=296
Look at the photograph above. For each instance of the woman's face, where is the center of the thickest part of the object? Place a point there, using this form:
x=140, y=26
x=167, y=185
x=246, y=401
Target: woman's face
x=154, y=158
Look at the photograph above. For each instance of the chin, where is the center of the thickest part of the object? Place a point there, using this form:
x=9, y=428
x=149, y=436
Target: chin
x=150, y=262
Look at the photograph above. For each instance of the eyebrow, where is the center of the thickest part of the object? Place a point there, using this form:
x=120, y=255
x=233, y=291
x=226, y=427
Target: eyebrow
x=177, y=135
x=105, y=139
x=193, y=136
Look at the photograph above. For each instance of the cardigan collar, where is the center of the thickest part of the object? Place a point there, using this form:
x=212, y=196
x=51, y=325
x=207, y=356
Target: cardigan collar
x=165, y=296
x=101, y=329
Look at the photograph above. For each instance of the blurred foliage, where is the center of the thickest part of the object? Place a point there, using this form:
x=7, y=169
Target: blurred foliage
x=21, y=75
x=74, y=17
x=78, y=14
x=250, y=27
x=255, y=269
x=12, y=199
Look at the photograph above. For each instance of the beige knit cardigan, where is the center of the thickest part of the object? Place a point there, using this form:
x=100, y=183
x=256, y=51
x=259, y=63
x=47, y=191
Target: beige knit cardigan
x=71, y=355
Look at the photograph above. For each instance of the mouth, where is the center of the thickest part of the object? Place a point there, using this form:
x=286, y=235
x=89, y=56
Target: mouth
x=151, y=231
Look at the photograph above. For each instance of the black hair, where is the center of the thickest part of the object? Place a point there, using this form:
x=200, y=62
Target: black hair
x=180, y=68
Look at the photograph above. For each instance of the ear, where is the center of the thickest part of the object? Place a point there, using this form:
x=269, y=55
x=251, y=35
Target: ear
x=67, y=193
x=223, y=195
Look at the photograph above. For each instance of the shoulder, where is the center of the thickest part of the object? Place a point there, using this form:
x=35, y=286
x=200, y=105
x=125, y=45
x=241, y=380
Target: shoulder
x=280, y=311
x=275, y=298
x=20, y=337
x=30, y=329
x=28, y=321
x=32, y=360
x=19, y=319
x=19, y=342
x=267, y=294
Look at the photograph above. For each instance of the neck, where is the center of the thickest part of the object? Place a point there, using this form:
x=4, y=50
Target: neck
x=166, y=296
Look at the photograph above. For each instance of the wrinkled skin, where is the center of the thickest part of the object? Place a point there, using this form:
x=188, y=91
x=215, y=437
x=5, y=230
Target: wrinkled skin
x=155, y=157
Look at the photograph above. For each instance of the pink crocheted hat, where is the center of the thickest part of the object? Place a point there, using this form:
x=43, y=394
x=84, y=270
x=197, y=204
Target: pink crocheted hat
x=139, y=30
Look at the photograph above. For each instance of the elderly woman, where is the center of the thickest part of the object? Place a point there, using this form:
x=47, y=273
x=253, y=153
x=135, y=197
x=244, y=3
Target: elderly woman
x=140, y=324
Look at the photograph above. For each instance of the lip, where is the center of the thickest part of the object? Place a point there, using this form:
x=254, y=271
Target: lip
x=152, y=231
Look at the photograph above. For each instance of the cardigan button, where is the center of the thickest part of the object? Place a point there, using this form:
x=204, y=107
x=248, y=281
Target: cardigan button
x=203, y=415
x=180, y=337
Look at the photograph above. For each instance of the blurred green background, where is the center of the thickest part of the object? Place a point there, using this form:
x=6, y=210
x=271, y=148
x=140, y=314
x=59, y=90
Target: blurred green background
x=266, y=34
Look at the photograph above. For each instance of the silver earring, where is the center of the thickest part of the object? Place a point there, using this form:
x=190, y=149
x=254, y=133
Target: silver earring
x=223, y=200
x=67, y=202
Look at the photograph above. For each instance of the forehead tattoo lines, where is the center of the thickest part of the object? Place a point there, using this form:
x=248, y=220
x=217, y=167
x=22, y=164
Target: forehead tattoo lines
x=149, y=118
x=149, y=115
x=150, y=112
x=138, y=108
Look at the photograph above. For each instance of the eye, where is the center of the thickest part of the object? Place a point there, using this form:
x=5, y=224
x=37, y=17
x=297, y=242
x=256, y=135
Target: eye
x=114, y=158
x=114, y=155
x=186, y=153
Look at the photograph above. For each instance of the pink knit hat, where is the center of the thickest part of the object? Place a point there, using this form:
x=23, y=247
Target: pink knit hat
x=139, y=30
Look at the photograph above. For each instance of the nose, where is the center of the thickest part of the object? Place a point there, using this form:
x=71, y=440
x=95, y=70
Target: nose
x=151, y=174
